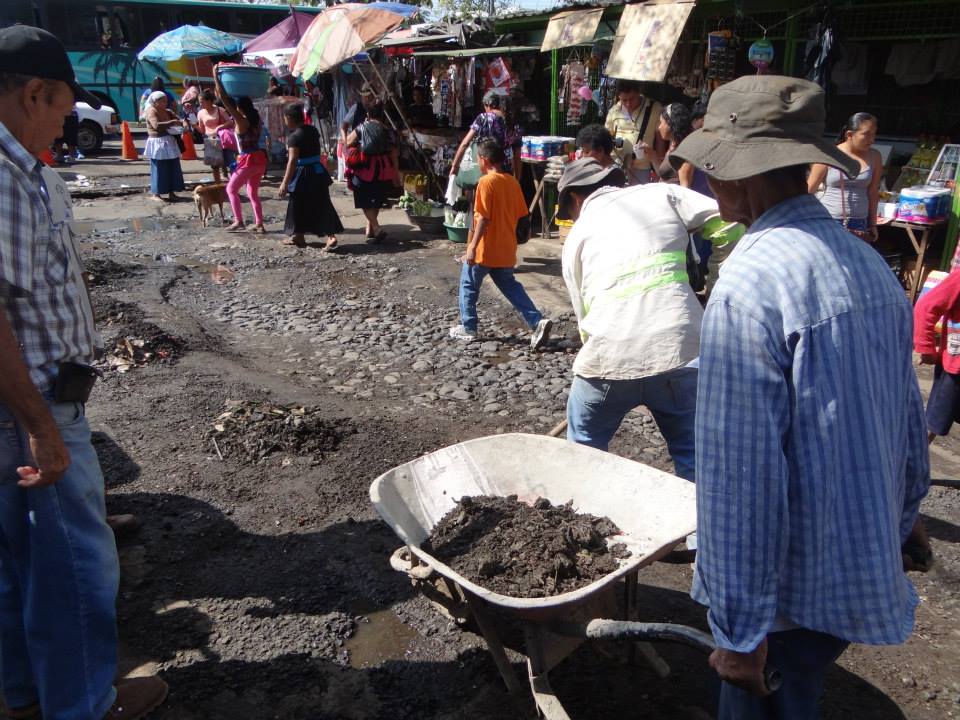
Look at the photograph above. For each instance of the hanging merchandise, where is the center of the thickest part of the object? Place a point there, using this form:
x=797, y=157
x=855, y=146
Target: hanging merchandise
x=760, y=55
x=721, y=57
x=498, y=76
x=455, y=103
x=470, y=83
x=572, y=78
x=822, y=51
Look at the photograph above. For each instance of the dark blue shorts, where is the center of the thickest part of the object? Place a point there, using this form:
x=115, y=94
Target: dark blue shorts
x=943, y=407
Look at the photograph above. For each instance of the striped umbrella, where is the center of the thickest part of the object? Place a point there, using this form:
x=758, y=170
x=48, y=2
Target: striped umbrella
x=339, y=33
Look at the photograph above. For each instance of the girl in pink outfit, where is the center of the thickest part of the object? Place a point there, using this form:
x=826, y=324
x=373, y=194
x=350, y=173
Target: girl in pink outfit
x=252, y=161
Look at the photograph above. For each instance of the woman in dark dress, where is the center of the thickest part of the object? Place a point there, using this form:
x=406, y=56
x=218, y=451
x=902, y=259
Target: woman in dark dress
x=309, y=208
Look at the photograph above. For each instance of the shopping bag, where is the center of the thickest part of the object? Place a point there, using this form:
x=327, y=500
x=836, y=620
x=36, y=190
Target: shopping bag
x=453, y=191
x=469, y=173
x=212, y=152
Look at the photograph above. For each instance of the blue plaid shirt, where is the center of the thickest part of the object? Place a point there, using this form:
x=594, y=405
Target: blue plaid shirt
x=811, y=441
x=41, y=289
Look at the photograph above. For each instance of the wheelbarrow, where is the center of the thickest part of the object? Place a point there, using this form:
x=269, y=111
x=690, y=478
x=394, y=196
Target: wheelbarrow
x=653, y=509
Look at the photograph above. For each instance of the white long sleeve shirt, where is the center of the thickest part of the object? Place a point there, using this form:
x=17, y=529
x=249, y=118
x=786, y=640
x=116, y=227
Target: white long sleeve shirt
x=624, y=264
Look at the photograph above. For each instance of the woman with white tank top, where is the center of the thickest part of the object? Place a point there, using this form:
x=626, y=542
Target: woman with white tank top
x=853, y=201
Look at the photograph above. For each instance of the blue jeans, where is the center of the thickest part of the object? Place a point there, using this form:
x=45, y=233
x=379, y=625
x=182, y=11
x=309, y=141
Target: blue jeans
x=58, y=579
x=471, y=277
x=803, y=658
x=596, y=407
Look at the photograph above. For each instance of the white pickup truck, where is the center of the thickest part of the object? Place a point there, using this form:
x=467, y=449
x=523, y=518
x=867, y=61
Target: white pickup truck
x=94, y=124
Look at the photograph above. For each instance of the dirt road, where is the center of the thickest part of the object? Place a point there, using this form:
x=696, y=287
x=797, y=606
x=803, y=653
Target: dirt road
x=259, y=585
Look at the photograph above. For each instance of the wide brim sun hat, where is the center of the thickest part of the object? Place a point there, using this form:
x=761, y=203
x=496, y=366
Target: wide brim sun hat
x=760, y=123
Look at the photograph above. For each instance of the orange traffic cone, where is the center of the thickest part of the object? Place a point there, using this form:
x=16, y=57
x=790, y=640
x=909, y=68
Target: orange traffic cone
x=189, y=149
x=46, y=157
x=129, y=150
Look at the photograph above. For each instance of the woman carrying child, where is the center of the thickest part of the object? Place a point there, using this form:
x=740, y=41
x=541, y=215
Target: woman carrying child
x=307, y=182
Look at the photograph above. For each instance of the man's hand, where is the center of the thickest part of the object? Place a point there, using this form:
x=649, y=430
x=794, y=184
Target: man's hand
x=745, y=670
x=282, y=191
x=52, y=458
x=928, y=359
x=470, y=257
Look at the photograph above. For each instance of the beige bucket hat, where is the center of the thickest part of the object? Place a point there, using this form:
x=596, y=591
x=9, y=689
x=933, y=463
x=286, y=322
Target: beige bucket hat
x=760, y=123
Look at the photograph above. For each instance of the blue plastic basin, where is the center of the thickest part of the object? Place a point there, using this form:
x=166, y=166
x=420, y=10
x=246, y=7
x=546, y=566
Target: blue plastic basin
x=246, y=81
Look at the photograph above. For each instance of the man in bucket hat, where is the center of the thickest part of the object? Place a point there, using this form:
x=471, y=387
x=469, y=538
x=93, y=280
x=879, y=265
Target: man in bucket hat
x=624, y=264
x=58, y=560
x=811, y=446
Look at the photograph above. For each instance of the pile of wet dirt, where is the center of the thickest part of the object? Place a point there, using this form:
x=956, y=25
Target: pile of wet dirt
x=103, y=272
x=140, y=343
x=525, y=551
x=257, y=430
x=109, y=313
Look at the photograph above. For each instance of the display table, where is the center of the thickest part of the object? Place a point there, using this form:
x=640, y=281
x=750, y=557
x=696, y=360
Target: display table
x=920, y=246
x=538, y=170
x=271, y=113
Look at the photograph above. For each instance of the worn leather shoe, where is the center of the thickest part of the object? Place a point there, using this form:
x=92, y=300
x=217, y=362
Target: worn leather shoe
x=123, y=525
x=136, y=697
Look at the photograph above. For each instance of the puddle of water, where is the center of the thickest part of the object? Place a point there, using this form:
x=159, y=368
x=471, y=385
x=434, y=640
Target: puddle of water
x=219, y=274
x=134, y=225
x=378, y=638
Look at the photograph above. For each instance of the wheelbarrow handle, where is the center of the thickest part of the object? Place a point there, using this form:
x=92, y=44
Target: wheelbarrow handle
x=600, y=629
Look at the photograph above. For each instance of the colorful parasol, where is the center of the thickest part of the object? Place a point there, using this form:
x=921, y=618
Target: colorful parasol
x=191, y=41
x=340, y=32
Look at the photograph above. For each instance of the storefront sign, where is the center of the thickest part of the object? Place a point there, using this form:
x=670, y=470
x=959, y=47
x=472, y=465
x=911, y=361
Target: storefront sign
x=573, y=27
x=646, y=38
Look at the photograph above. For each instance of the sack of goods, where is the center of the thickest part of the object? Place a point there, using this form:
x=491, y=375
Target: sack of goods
x=555, y=167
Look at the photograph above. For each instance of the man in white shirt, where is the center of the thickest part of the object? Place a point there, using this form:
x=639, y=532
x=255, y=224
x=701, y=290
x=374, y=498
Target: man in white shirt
x=624, y=264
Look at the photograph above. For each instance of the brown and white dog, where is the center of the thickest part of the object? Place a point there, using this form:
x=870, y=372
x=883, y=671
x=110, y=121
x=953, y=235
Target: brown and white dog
x=206, y=196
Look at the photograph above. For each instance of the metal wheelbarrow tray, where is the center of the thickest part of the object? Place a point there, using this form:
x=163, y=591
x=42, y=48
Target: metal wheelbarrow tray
x=653, y=509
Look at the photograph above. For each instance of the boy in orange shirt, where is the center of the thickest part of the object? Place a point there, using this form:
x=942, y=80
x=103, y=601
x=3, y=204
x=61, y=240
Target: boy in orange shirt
x=492, y=248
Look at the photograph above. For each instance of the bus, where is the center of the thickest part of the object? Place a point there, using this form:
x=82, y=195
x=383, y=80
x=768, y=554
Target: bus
x=103, y=38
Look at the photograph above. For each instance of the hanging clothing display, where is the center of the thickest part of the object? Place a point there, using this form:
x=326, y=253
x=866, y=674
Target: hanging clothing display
x=849, y=75
x=821, y=53
x=455, y=103
x=572, y=77
x=912, y=64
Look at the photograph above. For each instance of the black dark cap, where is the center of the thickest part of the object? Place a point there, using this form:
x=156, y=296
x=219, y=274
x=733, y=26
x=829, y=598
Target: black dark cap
x=27, y=50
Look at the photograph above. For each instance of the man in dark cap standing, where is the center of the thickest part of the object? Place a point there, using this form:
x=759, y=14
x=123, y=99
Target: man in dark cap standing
x=58, y=560
x=810, y=435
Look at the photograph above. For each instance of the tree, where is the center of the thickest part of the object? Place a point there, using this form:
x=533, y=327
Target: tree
x=470, y=8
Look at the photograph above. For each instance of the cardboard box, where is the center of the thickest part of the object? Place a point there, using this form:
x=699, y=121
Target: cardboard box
x=909, y=273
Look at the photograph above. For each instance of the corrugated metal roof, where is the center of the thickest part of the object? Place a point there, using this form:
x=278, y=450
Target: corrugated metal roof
x=549, y=12
x=470, y=52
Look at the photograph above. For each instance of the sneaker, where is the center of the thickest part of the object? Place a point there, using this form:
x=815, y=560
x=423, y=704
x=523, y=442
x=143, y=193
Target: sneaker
x=136, y=697
x=80, y=156
x=541, y=334
x=459, y=332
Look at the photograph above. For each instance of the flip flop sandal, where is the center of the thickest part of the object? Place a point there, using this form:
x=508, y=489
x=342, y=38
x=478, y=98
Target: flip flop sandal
x=292, y=243
x=381, y=236
x=331, y=245
x=259, y=230
x=238, y=229
x=373, y=239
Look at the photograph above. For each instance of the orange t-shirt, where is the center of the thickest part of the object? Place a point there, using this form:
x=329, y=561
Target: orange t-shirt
x=499, y=199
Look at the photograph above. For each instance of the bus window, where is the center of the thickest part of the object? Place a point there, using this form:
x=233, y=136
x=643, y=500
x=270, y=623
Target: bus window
x=120, y=28
x=154, y=21
x=18, y=11
x=75, y=24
